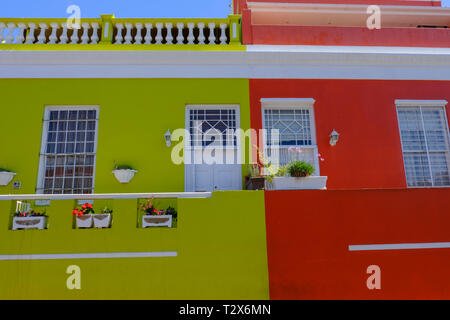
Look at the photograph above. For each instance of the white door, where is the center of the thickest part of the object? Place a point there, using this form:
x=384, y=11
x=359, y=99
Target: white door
x=213, y=149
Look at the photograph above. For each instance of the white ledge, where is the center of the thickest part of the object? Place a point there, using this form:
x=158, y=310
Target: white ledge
x=422, y=103
x=105, y=196
x=259, y=62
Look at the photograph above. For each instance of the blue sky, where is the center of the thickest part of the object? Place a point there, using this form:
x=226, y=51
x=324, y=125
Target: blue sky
x=122, y=8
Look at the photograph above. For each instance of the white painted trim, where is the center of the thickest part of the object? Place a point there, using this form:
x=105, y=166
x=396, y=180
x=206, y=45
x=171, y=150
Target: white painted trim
x=48, y=108
x=258, y=62
x=88, y=255
x=93, y=196
x=189, y=175
x=421, y=103
x=294, y=103
x=282, y=102
x=399, y=246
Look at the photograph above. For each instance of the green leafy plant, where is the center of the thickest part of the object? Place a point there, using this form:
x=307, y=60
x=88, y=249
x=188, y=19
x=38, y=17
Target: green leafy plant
x=107, y=210
x=123, y=167
x=4, y=170
x=171, y=211
x=300, y=169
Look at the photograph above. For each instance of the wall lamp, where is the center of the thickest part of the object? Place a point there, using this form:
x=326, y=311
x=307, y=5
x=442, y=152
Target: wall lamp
x=168, y=138
x=334, y=137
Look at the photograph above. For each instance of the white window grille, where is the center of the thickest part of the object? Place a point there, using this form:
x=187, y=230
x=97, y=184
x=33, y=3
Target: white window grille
x=206, y=124
x=69, y=143
x=425, y=143
x=294, y=120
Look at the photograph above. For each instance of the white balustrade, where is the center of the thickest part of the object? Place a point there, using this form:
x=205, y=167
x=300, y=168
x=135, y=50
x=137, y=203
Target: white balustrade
x=53, y=37
x=58, y=33
x=223, y=35
x=148, y=33
x=169, y=37
x=85, y=35
x=128, y=37
x=94, y=37
x=212, y=36
x=119, y=37
x=74, y=38
x=30, y=35
x=159, y=37
x=190, y=37
x=21, y=35
x=42, y=38
x=138, y=37
x=201, y=37
x=180, y=36
x=10, y=35
x=2, y=29
x=63, y=38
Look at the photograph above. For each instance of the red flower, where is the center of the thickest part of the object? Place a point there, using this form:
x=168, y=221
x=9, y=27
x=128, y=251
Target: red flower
x=83, y=206
x=88, y=205
x=154, y=210
x=75, y=212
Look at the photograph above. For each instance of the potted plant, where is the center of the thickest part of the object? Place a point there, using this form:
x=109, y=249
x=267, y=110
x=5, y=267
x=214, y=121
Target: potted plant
x=102, y=220
x=6, y=176
x=254, y=180
x=156, y=218
x=124, y=173
x=84, y=216
x=29, y=220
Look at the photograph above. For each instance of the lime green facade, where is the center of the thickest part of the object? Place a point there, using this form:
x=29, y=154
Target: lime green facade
x=134, y=115
x=220, y=244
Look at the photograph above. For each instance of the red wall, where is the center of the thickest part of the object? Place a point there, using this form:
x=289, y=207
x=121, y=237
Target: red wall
x=369, y=2
x=340, y=36
x=308, y=234
x=368, y=154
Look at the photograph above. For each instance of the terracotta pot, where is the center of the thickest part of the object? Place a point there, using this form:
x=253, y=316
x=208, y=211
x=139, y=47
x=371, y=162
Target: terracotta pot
x=256, y=183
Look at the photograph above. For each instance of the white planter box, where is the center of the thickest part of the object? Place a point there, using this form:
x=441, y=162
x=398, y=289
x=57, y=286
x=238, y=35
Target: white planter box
x=84, y=221
x=301, y=183
x=6, y=177
x=102, y=220
x=36, y=222
x=157, y=221
x=124, y=175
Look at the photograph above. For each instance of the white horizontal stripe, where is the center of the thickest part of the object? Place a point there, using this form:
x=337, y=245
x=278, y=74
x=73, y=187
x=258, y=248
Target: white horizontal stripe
x=95, y=196
x=399, y=246
x=421, y=102
x=260, y=62
x=88, y=255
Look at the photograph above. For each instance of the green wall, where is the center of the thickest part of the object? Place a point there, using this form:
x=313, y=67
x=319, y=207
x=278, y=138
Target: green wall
x=134, y=115
x=221, y=245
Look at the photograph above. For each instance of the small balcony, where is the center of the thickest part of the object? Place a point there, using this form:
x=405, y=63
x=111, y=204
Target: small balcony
x=110, y=33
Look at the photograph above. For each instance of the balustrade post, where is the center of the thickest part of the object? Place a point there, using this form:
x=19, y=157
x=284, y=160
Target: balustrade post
x=94, y=37
x=85, y=35
x=169, y=37
x=180, y=36
x=148, y=34
x=235, y=28
x=107, y=28
x=10, y=35
x=159, y=37
x=138, y=37
x=201, y=37
x=128, y=37
x=21, y=35
x=53, y=38
x=42, y=38
x=30, y=34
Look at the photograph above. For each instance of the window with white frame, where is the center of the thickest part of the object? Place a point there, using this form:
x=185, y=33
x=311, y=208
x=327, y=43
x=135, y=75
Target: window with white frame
x=424, y=136
x=294, y=121
x=69, y=143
